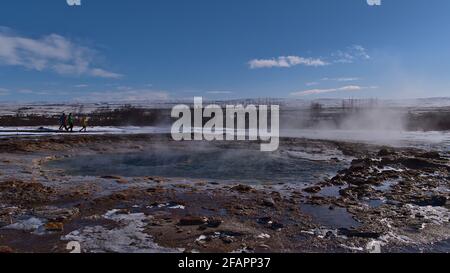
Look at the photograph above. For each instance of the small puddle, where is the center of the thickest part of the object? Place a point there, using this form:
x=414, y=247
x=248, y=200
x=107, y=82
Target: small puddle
x=387, y=185
x=375, y=203
x=332, y=218
x=332, y=191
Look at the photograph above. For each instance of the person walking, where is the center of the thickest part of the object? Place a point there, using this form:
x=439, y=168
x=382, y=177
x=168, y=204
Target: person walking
x=84, y=121
x=63, y=122
x=70, y=122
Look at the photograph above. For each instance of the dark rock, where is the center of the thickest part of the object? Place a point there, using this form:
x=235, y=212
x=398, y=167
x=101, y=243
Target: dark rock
x=353, y=233
x=268, y=202
x=214, y=223
x=276, y=226
x=230, y=233
x=359, y=165
x=434, y=201
x=418, y=163
x=211, y=223
x=385, y=152
x=227, y=240
x=123, y=212
x=431, y=155
x=314, y=189
x=25, y=193
x=192, y=221
x=329, y=235
x=264, y=220
x=115, y=177
x=347, y=192
x=317, y=200
x=203, y=227
x=242, y=188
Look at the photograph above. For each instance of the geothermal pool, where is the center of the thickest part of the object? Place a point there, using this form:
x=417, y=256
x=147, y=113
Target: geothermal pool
x=244, y=165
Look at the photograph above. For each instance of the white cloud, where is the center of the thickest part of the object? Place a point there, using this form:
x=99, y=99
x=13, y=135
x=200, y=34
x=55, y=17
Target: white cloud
x=342, y=79
x=101, y=73
x=348, y=88
x=285, y=62
x=351, y=54
x=52, y=52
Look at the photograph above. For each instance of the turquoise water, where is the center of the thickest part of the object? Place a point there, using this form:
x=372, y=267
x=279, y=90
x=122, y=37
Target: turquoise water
x=239, y=165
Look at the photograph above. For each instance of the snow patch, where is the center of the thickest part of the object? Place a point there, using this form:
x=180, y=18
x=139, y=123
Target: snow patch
x=128, y=238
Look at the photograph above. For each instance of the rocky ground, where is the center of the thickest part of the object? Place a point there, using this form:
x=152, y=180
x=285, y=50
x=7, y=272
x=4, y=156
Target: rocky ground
x=387, y=199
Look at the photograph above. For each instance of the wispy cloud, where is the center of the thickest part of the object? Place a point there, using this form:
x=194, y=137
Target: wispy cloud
x=285, y=62
x=101, y=73
x=341, y=79
x=348, y=88
x=351, y=54
x=52, y=52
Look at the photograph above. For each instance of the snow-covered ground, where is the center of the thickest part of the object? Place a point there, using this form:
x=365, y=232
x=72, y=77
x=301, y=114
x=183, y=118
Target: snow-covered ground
x=434, y=139
x=53, y=130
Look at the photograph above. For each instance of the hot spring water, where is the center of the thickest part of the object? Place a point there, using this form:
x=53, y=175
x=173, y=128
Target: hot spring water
x=211, y=163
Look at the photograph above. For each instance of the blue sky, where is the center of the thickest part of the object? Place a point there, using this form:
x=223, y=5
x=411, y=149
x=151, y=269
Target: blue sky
x=219, y=49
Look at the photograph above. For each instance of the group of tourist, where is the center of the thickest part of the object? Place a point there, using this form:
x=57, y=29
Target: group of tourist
x=67, y=123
